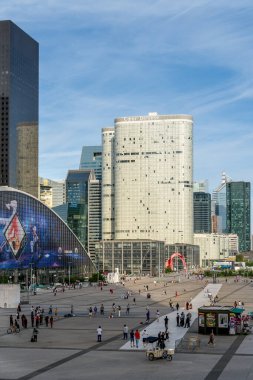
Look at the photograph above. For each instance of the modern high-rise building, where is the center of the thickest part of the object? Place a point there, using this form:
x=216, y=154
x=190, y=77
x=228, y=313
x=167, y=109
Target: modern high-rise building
x=91, y=159
x=219, y=206
x=202, y=212
x=27, y=158
x=238, y=212
x=147, y=179
x=56, y=190
x=77, y=185
x=19, y=86
x=94, y=214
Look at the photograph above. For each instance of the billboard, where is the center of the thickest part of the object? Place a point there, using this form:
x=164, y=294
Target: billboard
x=32, y=234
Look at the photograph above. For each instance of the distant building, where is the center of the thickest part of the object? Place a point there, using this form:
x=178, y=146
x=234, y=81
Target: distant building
x=52, y=192
x=19, y=95
x=91, y=159
x=215, y=247
x=94, y=214
x=219, y=205
x=201, y=186
x=238, y=212
x=27, y=158
x=77, y=185
x=202, y=212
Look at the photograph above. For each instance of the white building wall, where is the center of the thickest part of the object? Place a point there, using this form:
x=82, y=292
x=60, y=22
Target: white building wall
x=153, y=178
x=108, y=184
x=214, y=247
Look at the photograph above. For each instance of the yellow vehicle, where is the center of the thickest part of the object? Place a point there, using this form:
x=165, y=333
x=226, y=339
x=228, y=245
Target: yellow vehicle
x=158, y=353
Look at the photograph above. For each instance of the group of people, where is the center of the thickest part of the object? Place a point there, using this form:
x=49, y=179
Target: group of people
x=38, y=316
x=183, y=320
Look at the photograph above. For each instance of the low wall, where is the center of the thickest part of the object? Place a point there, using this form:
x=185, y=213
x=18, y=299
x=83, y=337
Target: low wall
x=9, y=295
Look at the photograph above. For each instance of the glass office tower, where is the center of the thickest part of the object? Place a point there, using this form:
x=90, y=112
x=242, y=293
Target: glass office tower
x=202, y=212
x=19, y=86
x=77, y=187
x=91, y=158
x=238, y=212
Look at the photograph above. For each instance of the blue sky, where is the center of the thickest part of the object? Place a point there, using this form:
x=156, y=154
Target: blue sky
x=101, y=59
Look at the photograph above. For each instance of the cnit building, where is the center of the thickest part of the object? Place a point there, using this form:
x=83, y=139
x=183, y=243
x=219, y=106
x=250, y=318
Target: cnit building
x=147, y=191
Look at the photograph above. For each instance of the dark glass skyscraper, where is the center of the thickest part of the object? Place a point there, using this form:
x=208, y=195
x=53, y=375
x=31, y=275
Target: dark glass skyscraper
x=77, y=187
x=19, y=84
x=202, y=212
x=238, y=212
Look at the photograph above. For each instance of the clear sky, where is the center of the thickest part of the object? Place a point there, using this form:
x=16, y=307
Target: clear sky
x=101, y=59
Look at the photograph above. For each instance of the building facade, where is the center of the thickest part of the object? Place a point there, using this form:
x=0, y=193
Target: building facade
x=34, y=239
x=52, y=192
x=238, y=212
x=19, y=87
x=94, y=214
x=202, y=212
x=214, y=247
x=147, y=179
x=140, y=257
x=91, y=159
x=27, y=158
x=77, y=185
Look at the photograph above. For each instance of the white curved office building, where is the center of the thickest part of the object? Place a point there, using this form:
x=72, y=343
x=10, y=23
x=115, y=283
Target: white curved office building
x=153, y=165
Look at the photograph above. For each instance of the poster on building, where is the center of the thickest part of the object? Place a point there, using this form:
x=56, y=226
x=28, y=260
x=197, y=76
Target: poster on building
x=201, y=319
x=210, y=320
x=223, y=321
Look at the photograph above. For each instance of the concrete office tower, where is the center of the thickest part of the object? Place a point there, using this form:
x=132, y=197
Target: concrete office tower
x=56, y=190
x=202, y=212
x=153, y=178
x=201, y=186
x=238, y=212
x=108, y=184
x=27, y=158
x=19, y=86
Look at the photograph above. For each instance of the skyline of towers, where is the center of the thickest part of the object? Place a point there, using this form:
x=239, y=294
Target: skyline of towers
x=19, y=87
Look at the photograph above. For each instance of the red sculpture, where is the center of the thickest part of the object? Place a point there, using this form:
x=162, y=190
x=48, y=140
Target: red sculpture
x=169, y=263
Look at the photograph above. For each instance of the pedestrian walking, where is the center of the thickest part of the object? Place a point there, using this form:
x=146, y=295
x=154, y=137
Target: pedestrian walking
x=95, y=310
x=11, y=320
x=128, y=309
x=119, y=310
x=102, y=309
x=35, y=335
x=166, y=320
x=144, y=338
x=147, y=316
x=132, y=338
x=178, y=320
x=56, y=311
x=51, y=321
x=157, y=315
x=50, y=310
x=90, y=312
x=177, y=306
x=32, y=319
x=211, y=339
x=46, y=320
x=99, y=334
x=125, y=332
x=137, y=338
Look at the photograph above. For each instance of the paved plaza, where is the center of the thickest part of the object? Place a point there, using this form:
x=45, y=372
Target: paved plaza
x=70, y=349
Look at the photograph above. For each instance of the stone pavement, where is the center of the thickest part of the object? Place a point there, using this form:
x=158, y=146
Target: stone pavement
x=69, y=350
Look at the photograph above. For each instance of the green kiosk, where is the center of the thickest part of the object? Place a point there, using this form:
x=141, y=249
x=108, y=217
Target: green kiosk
x=223, y=320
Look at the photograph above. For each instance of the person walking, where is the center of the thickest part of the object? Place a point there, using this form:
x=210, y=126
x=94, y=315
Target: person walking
x=157, y=315
x=119, y=310
x=178, y=320
x=147, y=316
x=211, y=339
x=166, y=320
x=50, y=310
x=177, y=306
x=32, y=319
x=144, y=338
x=46, y=320
x=102, y=309
x=128, y=309
x=11, y=320
x=35, y=335
x=132, y=338
x=125, y=332
x=51, y=321
x=137, y=337
x=99, y=334
x=56, y=311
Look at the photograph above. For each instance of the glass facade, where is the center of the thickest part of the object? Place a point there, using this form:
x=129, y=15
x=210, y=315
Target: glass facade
x=91, y=158
x=190, y=252
x=77, y=200
x=19, y=86
x=202, y=212
x=32, y=235
x=131, y=257
x=238, y=212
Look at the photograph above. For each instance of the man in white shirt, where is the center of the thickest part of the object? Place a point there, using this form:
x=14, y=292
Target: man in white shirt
x=99, y=333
